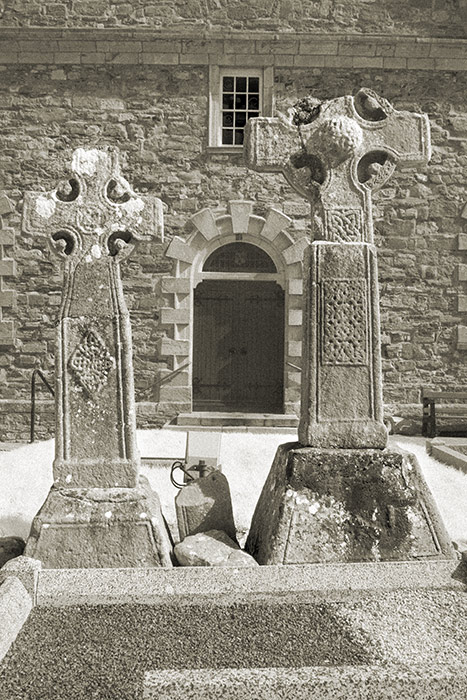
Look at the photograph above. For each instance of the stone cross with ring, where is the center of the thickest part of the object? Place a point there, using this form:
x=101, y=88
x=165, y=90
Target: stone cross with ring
x=336, y=154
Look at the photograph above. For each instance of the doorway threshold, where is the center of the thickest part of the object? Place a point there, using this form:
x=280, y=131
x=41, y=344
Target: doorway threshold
x=273, y=422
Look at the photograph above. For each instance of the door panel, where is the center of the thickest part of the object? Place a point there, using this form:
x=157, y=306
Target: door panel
x=238, y=348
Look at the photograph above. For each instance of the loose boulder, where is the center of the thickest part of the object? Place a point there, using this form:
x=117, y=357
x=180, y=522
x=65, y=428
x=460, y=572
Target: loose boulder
x=212, y=548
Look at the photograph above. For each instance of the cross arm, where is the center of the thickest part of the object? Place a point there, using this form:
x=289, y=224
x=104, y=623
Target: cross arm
x=269, y=144
x=93, y=208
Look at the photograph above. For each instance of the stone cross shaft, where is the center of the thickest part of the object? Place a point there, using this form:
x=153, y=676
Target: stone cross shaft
x=335, y=154
x=93, y=219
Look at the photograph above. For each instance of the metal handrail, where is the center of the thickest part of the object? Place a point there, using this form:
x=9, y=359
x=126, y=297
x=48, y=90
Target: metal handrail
x=37, y=373
x=299, y=369
x=172, y=374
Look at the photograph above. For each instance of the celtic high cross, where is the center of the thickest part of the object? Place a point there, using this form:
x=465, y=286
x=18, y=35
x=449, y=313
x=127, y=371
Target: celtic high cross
x=99, y=512
x=335, y=154
x=92, y=220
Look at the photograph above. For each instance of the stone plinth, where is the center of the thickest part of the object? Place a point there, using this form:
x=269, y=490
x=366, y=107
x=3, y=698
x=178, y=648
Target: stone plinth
x=345, y=505
x=100, y=528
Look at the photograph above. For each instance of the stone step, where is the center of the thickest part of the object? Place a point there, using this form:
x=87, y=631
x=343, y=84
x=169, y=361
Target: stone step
x=275, y=632
x=259, y=420
x=362, y=682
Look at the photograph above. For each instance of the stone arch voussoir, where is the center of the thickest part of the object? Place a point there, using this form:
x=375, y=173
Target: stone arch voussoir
x=209, y=230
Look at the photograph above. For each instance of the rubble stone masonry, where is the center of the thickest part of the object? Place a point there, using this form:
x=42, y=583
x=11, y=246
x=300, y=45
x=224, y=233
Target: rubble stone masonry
x=144, y=87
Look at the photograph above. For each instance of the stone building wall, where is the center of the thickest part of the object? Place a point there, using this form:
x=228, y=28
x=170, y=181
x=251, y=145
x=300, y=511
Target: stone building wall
x=401, y=17
x=149, y=96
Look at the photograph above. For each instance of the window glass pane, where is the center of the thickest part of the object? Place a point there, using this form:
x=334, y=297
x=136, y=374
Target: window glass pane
x=240, y=119
x=227, y=136
x=227, y=102
x=228, y=84
x=253, y=102
x=227, y=119
x=240, y=84
x=238, y=137
x=239, y=257
x=253, y=84
x=240, y=102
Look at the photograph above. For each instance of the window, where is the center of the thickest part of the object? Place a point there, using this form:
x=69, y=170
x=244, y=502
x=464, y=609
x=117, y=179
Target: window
x=239, y=257
x=236, y=95
x=241, y=100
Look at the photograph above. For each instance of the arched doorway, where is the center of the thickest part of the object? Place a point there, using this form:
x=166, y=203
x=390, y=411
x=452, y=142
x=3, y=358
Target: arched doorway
x=238, y=333
x=213, y=230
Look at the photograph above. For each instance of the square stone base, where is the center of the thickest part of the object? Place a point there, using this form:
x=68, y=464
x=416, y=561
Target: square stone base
x=100, y=528
x=336, y=505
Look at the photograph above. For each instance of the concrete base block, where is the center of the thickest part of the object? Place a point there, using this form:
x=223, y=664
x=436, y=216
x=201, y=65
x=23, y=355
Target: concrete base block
x=26, y=570
x=330, y=505
x=15, y=606
x=418, y=682
x=100, y=528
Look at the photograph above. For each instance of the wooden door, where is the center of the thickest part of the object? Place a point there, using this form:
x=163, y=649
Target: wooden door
x=238, y=347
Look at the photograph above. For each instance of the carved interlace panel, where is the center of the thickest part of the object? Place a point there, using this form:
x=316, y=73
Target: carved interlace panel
x=344, y=225
x=344, y=338
x=91, y=363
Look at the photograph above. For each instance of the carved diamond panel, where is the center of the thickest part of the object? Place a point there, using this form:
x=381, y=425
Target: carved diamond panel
x=91, y=363
x=344, y=225
x=344, y=338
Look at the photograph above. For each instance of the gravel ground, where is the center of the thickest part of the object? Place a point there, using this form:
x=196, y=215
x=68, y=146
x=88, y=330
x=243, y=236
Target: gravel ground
x=26, y=476
x=101, y=652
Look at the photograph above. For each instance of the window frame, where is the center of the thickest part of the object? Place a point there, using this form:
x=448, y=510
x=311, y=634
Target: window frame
x=216, y=74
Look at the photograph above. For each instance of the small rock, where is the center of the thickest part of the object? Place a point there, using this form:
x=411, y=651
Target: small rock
x=10, y=547
x=212, y=548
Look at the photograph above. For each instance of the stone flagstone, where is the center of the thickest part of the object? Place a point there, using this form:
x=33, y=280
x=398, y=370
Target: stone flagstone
x=98, y=512
x=338, y=495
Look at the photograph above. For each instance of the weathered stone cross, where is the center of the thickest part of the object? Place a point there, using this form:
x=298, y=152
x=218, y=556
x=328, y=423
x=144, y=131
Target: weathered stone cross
x=92, y=220
x=335, y=155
